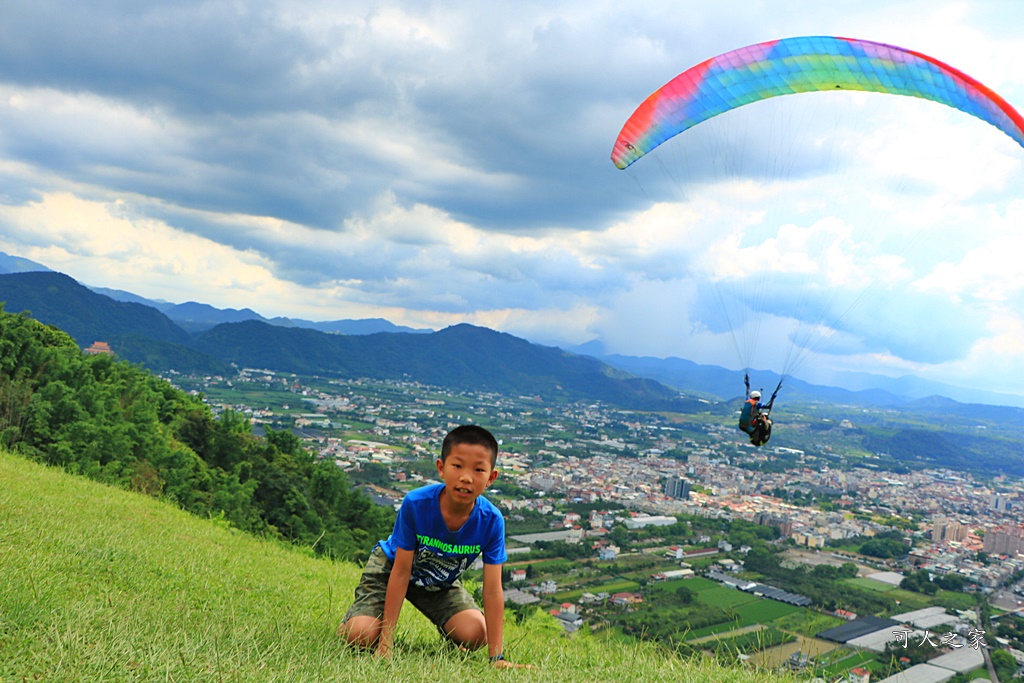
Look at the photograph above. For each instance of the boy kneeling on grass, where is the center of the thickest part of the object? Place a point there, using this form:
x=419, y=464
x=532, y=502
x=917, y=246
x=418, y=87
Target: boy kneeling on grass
x=440, y=530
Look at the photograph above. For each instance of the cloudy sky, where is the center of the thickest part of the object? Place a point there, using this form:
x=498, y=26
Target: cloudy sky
x=442, y=162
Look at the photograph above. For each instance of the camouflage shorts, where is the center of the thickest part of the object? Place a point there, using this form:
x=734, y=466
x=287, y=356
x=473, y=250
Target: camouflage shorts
x=437, y=605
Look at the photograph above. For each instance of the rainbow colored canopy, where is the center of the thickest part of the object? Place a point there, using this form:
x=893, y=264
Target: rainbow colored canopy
x=805, y=64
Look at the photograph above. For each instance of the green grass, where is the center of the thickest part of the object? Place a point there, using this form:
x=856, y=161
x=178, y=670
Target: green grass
x=714, y=629
x=807, y=622
x=981, y=672
x=675, y=584
x=726, y=597
x=909, y=600
x=844, y=660
x=954, y=600
x=97, y=585
x=752, y=641
x=852, y=549
x=764, y=611
x=870, y=584
x=752, y=611
x=698, y=584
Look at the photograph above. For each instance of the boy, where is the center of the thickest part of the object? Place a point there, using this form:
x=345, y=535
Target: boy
x=439, y=531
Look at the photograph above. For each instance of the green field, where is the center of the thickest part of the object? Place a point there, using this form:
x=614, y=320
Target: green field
x=870, y=584
x=765, y=611
x=714, y=629
x=961, y=601
x=749, y=642
x=697, y=584
x=758, y=611
x=807, y=622
x=724, y=597
x=846, y=660
x=909, y=600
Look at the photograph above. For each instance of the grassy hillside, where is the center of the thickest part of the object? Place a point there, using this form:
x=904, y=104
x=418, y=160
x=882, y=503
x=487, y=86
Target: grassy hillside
x=97, y=584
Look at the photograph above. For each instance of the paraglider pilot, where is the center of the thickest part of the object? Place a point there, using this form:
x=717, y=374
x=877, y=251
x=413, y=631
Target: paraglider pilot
x=753, y=421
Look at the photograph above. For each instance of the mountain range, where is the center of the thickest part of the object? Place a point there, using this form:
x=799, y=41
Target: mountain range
x=196, y=317
x=461, y=357
x=197, y=337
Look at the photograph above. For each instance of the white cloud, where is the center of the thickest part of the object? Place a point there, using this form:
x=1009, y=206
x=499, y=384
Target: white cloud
x=433, y=163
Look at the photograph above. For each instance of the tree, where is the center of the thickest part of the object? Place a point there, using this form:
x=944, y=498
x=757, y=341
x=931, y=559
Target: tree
x=825, y=571
x=762, y=561
x=684, y=595
x=619, y=535
x=1004, y=664
x=373, y=473
x=884, y=548
x=950, y=582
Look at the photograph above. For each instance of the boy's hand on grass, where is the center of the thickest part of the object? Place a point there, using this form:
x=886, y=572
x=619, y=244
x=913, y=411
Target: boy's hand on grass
x=382, y=652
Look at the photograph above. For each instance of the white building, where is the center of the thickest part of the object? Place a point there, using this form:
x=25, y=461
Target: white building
x=641, y=521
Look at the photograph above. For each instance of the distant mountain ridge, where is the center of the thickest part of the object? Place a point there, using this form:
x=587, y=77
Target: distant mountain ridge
x=706, y=381
x=196, y=317
x=17, y=264
x=723, y=383
x=461, y=357
x=726, y=384
x=56, y=299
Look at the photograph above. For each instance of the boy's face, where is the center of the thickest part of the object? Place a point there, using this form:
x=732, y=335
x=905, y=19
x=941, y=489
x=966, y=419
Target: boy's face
x=466, y=472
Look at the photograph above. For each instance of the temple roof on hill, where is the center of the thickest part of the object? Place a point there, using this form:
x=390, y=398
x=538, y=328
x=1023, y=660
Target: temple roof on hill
x=100, y=347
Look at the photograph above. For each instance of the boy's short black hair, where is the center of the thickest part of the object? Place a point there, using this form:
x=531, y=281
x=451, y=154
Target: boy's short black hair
x=473, y=435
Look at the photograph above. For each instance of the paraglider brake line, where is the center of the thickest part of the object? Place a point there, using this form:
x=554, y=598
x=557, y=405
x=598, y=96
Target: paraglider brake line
x=771, y=401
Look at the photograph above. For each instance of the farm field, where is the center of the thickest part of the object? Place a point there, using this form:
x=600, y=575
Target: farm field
x=778, y=655
x=842, y=660
x=726, y=597
x=758, y=611
x=909, y=601
x=696, y=584
x=807, y=622
x=870, y=584
x=727, y=634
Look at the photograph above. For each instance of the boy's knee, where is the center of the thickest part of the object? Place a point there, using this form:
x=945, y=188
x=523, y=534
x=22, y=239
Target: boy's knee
x=360, y=631
x=467, y=628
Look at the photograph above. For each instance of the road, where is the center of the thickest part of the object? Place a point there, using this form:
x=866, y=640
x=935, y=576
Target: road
x=986, y=625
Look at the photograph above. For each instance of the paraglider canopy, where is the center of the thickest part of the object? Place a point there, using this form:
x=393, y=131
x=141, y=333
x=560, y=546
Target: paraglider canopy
x=803, y=64
x=784, y=67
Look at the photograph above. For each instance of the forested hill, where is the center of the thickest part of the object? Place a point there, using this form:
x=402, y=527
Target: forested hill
x=118, y=424
x=58, y=300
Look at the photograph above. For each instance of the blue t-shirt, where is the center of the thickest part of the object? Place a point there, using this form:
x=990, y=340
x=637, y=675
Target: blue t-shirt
x=441, y=555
